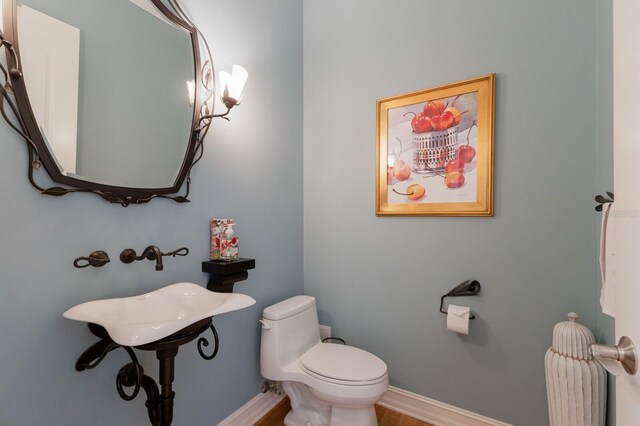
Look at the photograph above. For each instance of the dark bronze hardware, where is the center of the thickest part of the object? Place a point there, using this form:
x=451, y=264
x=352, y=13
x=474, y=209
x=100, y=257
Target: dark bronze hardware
x=225, y=274
x=204, y=342
x=160, y=399
x=97, y=259
x=603, y=200
x=151, y=253
x=16, y=111
x=467, y=288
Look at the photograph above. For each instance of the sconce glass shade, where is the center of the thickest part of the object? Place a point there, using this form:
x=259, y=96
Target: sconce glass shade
x=233, y=85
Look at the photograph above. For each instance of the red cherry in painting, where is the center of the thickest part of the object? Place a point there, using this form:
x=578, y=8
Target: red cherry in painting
x=433, y=108
x=455, y=165
x=457, y=115
x=454, y=180
x=436, y=122
x=421, y=123
x=442, y=121
x=466, y=153
x=414, y=122
x=401, y=170
x=447, y=119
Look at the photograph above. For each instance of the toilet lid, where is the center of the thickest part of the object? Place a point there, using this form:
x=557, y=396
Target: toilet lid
x=343, y=362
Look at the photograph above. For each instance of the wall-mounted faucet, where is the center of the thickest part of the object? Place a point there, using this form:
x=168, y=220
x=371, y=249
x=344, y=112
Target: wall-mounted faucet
x=151, y=253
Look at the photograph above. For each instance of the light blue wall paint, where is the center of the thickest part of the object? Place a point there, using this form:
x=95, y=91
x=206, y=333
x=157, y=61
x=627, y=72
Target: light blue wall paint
x=379, y=280
x=534, y=258
x=604, y=153
x=251, y=171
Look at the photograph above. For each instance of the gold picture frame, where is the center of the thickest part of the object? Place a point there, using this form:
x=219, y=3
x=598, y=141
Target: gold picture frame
x=434, y=151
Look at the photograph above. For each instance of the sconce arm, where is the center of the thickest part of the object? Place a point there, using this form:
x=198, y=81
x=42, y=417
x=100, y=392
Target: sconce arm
x=211, y=116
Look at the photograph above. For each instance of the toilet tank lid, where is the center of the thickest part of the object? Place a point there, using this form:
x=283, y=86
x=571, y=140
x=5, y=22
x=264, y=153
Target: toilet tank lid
x=288, y=307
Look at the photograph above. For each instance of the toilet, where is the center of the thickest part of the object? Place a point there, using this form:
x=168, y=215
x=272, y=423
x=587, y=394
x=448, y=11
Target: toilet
x=327, y=383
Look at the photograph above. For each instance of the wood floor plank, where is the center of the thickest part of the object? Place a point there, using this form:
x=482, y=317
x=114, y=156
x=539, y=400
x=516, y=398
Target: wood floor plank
x=406, y=421
x=390, y=418
x=276, y=416
x=385, y=416
x=380, y=410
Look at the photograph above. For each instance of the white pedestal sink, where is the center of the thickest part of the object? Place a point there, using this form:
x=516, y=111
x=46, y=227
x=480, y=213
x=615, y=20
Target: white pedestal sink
x=138, y=320
x=160, y=321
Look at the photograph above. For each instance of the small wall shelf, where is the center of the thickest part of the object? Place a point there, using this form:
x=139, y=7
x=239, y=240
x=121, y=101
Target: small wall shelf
x=225, y=274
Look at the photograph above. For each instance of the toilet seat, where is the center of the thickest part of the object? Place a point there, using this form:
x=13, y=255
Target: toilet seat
x=343, y=365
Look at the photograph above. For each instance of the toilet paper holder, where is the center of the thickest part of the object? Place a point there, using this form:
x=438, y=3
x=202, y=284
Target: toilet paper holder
x=467, y=288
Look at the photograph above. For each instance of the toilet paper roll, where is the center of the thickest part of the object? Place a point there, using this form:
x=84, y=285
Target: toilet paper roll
x=458, y=318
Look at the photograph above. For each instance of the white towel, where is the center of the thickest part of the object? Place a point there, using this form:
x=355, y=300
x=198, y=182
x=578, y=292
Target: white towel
x=607, y=260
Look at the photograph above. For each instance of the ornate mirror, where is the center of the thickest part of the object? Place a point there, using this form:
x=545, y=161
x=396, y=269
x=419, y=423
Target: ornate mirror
x=112, y=97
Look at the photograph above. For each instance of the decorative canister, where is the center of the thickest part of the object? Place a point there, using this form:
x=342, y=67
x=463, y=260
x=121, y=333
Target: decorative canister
x=217, y=227
x=576, y=383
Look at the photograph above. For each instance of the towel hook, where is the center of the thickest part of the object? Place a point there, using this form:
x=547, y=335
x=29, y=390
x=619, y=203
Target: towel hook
x=602, y=201
x=466, y=288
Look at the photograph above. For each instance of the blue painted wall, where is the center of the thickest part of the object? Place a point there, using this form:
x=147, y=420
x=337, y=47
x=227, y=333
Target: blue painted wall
x=379, y=280
x=535, y=258
x=604, y=153
x=251, y=171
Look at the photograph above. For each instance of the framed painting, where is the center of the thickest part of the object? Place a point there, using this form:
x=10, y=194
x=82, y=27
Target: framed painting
x=434, y=152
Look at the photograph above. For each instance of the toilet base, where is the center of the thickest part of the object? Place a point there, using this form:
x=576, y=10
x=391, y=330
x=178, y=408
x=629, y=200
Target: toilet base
x=295, y=419
x=307, y=410
x=339, y=417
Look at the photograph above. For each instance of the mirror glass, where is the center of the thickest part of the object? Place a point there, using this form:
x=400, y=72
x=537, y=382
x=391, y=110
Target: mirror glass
x=108, y=83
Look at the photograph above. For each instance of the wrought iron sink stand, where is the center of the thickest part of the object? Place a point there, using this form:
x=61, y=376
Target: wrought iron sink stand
x=159, y=399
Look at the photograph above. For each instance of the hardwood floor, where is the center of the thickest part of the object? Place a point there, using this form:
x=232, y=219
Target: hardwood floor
x=386, y=417
x=275, y=417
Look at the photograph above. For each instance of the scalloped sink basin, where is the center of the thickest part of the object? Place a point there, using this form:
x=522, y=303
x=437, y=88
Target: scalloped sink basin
x=138, y=320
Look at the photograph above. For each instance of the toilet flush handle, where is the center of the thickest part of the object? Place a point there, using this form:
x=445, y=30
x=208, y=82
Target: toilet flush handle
x=265, y=325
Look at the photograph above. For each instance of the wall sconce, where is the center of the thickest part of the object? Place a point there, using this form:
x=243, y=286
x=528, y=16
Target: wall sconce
x=232, y=90
x=233, y=85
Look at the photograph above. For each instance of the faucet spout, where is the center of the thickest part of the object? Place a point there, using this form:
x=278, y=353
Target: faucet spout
x=151, y=253
x=154, y=253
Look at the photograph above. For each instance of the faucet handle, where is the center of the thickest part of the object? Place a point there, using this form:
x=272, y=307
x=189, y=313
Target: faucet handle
x=128, y=255
x=97, y=259
x=182, y=251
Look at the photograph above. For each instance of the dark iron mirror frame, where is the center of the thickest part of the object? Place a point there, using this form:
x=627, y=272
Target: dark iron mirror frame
x=22, y=120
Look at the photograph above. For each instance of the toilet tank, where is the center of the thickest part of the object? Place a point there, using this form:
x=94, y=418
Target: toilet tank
x=289, y=329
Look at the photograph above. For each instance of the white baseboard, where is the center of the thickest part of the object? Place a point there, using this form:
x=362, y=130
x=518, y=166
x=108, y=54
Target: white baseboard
x=432, y=411
x=404, y=402
x=253, y=410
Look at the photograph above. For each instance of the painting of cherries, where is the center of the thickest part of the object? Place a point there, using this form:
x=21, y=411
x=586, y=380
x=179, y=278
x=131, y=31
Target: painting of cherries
x=431, y=147
x=431, y=150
